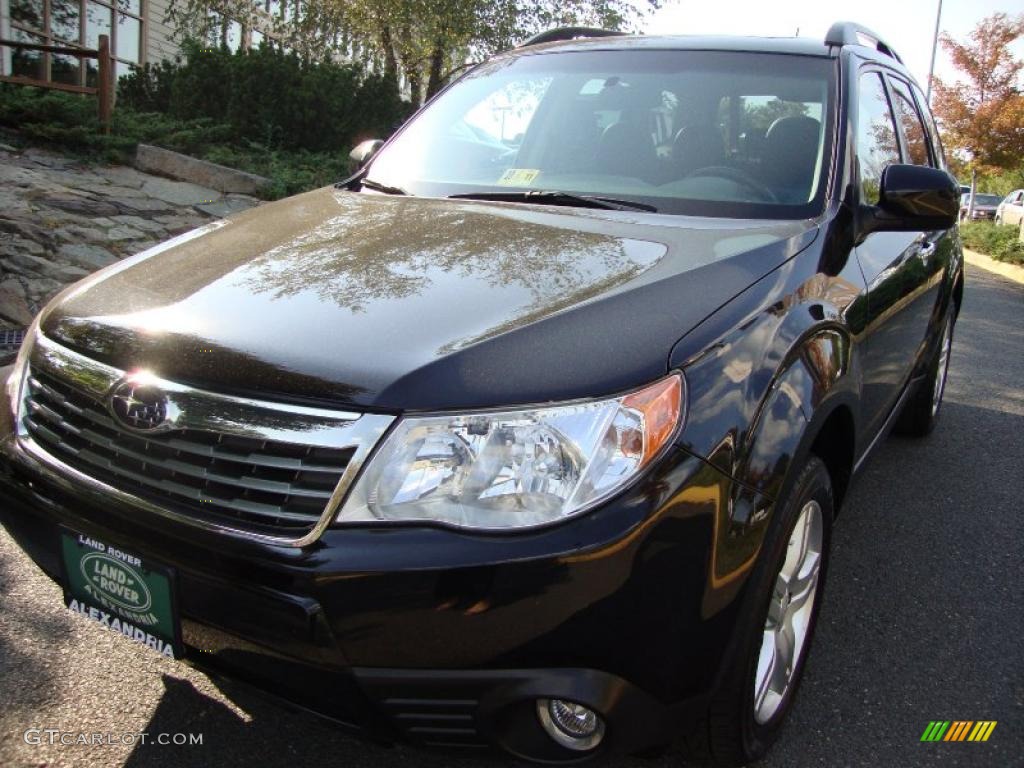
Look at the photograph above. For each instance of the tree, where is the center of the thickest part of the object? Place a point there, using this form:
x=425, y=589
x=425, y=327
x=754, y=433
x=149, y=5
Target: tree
x=422, y=41
x=983, y=115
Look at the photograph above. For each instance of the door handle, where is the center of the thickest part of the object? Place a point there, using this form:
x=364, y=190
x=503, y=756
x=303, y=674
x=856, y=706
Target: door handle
x=926, y=251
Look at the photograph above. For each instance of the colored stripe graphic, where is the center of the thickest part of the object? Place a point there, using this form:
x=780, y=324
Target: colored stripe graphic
x=935, y=730
x=958, y=730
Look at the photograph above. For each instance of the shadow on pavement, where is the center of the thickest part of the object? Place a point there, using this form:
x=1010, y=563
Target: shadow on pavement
x=268, y=735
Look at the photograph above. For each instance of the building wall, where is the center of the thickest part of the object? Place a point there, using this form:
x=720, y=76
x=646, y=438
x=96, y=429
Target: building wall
x=160, y=44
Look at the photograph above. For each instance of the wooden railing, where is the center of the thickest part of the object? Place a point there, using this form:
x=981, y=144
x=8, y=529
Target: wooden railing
x=105, y=83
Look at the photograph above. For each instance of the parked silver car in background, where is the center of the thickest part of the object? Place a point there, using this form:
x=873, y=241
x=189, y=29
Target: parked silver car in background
x=1011, y=210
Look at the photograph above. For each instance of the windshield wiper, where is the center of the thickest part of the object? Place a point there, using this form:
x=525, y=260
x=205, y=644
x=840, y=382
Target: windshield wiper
x=376, y=186
x=555, y=197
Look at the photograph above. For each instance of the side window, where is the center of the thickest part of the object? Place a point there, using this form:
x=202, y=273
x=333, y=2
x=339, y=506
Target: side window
x=933, y=130
x=876, y=135
x=914, y=137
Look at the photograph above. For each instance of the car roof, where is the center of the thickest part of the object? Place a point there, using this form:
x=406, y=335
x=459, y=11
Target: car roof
x=799, y=46
x=804, y=46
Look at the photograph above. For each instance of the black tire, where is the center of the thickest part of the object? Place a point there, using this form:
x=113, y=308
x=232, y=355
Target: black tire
x=731, y=735
x=921, y=411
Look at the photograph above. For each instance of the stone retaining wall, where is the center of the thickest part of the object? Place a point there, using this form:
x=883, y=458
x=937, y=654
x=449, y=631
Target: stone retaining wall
x=61, y=219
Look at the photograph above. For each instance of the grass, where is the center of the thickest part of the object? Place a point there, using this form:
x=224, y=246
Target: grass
x=1001, y=243
x=68, y=124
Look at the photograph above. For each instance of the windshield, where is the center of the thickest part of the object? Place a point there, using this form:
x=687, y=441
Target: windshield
x=983, y=199
x=696, y=132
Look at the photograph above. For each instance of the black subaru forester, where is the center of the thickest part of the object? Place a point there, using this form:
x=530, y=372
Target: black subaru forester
x=531, y=434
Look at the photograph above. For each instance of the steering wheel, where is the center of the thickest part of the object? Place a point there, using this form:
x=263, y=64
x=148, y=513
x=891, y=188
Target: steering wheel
x=736, y=175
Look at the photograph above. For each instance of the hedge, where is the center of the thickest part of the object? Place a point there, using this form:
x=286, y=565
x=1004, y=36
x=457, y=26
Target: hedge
x=1000, y=242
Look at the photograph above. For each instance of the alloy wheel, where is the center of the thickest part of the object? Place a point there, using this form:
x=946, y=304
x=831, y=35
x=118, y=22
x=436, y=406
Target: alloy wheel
x=789, y=614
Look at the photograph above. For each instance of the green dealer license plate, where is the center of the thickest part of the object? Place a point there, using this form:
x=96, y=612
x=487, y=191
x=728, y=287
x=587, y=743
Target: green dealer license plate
x=122, y=592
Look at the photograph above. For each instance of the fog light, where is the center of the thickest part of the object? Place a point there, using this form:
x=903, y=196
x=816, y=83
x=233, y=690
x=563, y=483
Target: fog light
x=572, y=725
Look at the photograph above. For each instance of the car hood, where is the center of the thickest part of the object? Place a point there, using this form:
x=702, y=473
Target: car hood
x=401, y=303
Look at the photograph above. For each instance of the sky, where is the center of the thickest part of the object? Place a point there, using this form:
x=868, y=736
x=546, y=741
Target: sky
x=907, y=25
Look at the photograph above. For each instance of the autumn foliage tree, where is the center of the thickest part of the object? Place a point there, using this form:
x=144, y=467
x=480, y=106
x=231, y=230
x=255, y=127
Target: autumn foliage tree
x=982, y=114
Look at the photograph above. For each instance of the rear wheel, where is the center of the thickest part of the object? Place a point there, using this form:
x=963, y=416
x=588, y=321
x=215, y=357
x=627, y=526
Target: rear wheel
x=748, y=710
x=921, y=411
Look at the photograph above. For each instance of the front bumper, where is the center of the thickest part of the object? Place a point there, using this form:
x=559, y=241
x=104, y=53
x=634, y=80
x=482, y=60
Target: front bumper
x=438, y=636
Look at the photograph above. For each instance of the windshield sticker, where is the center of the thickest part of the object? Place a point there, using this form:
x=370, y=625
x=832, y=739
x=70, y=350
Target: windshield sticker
x=518, y=177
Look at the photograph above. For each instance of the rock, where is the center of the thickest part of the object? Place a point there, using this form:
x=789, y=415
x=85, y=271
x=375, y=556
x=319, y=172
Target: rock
x=15, y=245
x=140, y=223
x=76, y=234
x=14, y=285
x=134, y=205
x=82, y=206
x=54, y=219
x=87, y=256
x=177, y=224
x=43, y=289
x=179, y=192
x=67, y=273
x=229, y=205
x=26, y=230
x=13, y=307
x=103, y=189
x=211, y=175
x=24, y=264
x=73, y=178
x=122, y=176
x=45, y=158
x=124, y=233
x=145, y=245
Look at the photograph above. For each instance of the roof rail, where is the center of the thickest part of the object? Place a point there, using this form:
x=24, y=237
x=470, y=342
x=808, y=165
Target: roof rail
x=850, y=33
x=568, y=33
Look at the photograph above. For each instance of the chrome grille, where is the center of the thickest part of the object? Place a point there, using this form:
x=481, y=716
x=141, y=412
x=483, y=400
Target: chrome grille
x=246, y=465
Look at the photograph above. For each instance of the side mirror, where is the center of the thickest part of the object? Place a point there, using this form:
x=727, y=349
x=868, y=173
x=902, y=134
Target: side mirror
x=362, y=153
x=912, y=198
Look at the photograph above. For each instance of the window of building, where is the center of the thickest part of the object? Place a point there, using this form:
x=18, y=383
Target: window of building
x=76, y=23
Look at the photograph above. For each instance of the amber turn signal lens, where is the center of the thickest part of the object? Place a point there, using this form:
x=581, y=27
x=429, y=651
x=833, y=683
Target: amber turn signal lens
x=661, y=405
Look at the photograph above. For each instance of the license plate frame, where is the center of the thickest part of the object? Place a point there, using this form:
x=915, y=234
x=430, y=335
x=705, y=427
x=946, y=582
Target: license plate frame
x=132, y=595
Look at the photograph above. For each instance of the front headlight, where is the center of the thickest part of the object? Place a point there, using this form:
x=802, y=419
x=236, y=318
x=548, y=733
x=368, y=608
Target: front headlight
x=16, y=381
x=517, y=468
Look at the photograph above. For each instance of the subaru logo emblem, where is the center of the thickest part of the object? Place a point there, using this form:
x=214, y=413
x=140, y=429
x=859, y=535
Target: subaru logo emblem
x=138, y=404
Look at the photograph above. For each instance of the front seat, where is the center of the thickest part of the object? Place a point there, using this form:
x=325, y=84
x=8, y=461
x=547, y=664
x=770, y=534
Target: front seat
x=626, y=149
x=790, y=157
x=697, y=146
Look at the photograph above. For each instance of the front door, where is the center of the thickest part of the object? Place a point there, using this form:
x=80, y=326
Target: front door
x=903, y=270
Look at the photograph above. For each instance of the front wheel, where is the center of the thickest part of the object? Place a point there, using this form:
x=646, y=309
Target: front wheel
x=750, y=706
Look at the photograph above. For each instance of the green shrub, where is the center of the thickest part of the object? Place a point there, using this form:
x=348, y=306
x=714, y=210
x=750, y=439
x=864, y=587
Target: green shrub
x=261, y=111
x=270, y=97
x=148, y=88
x=1001, y=243
x=69, y=123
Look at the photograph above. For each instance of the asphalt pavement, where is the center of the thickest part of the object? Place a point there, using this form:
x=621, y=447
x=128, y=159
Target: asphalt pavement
x=923, y=619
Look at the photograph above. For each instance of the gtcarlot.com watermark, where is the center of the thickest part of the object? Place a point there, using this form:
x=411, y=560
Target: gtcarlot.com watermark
x=52, y=736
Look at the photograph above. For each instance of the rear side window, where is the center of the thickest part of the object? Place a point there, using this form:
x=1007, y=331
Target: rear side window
x=933, y=131
x=876, y=135
x=914, y=137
